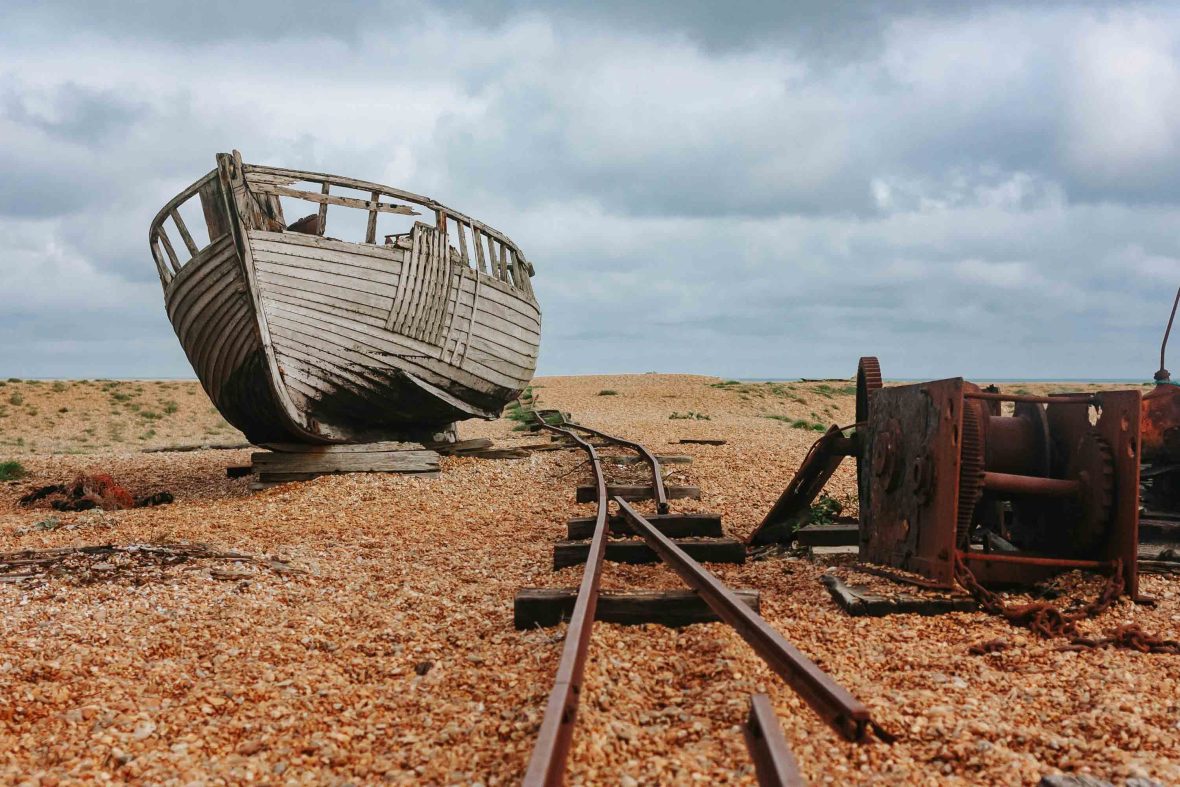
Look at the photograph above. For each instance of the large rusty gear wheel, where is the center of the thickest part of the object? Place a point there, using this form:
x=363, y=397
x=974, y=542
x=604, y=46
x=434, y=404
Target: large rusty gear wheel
x=971, y=468
x=1092, y=463
x=868, y=379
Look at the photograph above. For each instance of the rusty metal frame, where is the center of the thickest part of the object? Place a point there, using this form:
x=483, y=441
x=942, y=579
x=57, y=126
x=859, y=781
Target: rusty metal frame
x=774, y=763
x=830, y=700
x=548, y=761
x=822, y=460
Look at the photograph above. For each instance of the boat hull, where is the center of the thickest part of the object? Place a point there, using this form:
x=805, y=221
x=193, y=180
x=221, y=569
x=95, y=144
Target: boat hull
x=302, y=338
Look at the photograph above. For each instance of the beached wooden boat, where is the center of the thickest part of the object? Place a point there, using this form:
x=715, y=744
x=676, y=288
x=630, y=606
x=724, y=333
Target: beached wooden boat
x=298, y=337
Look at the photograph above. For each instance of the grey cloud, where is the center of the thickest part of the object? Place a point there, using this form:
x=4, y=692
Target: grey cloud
x=745, y=190
x=77, y=114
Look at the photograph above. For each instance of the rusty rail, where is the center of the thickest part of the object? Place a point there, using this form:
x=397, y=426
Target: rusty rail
x=657, y=476
x=830, y=700
x=774, y=763
x=548, y=761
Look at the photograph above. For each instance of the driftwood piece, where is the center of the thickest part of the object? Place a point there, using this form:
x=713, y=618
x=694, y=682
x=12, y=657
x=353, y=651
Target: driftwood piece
x=547, y=607
x=1157, y=530
x=1159, y=567
x=839, y=535
x=461, y=446
x=705, y=550
x=349, y=448
x=671, y=525
x=858, y=601
x=196, y=447
x=589, y=494
x=346, y=462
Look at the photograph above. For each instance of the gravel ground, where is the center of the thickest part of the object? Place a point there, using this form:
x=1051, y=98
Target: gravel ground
x=393, y=657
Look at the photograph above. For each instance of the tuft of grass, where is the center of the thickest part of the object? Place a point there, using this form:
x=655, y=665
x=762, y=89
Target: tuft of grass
x=59, y=386
x=608, y=392
x=689, y=416
x=170, y=407
x=16, y=399
x=149, y=415
x=10, y=471
x=798, y=423
x=14, y=379
x=119, y=396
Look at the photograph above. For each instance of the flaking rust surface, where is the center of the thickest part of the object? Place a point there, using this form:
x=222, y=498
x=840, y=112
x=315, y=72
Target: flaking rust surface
x=393, y=658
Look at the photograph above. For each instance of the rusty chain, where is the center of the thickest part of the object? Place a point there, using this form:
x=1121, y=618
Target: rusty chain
x=1047, y=620
x=1041, y=617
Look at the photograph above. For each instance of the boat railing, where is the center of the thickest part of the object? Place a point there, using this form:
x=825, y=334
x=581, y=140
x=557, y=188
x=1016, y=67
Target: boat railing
x=168, y=262
x=479, y=247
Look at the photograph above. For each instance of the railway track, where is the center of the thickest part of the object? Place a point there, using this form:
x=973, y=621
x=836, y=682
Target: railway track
x=773, y=760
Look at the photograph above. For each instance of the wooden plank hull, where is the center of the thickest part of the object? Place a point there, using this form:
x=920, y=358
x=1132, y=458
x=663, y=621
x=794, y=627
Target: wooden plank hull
x=299, y=338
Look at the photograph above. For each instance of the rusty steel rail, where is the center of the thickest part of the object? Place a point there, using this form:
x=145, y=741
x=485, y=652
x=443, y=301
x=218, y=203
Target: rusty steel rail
x=774, y=763
x=830, y=700
x=548, y=761
x=657, y=476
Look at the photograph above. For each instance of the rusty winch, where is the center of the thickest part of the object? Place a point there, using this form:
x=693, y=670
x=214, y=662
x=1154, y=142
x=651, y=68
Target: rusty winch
x=1016, y=487
x=1042, y=483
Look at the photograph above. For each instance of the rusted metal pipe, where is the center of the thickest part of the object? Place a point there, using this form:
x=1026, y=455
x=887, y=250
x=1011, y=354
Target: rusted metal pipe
x=1032, y=560
x=830, y=700
x=548, y=761
x=1031, y=485
x=1000, y=396
x=774, y=763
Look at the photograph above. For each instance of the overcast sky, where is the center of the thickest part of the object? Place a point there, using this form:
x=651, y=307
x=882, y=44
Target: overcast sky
x=739, y=189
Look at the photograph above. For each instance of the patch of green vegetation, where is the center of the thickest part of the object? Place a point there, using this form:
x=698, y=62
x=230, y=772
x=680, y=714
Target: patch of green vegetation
x=798, y=423
x=14, y=379
x=148, y=435
x=689, y=416
x=149, y=415
x=824, y=511
x=10, y=471
x=1021, y=391
x=59, y=386
x=522, y=409
x=608, y=392
x=32, y=411
x=119, y=396
x=16, y=399
x=32, y=382
x=170, y=407
x=52, y=523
